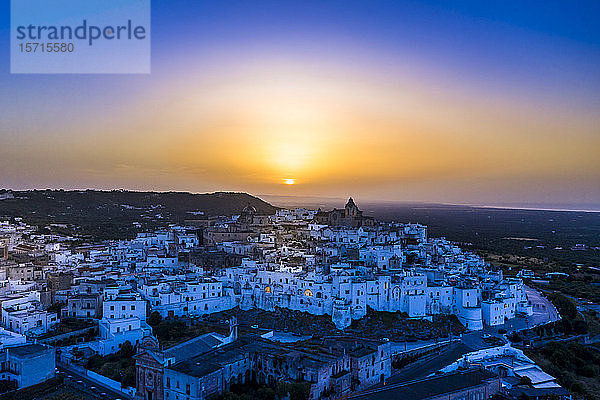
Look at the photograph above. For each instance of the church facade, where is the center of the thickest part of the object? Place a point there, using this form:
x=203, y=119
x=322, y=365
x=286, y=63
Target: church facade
x=349, y=216
x=149, y=365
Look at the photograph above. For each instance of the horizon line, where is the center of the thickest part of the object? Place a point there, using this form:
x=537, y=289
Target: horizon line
x=541, y=207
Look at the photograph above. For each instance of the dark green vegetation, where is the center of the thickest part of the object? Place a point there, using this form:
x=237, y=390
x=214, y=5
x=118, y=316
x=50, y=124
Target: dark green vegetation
x=557, y=348
x=280, y=319
x=376, y=324
x=398, y=327
x=576, y=366
x=7, y=386
x=104, y=215
x=565, y=306
x=119, y=367
x=516, y=239
x=67, y=325
x=172, y=331
x=583, y=285
x=571, y=326
x=581, y=282
x=501, y=231
x=394, y=326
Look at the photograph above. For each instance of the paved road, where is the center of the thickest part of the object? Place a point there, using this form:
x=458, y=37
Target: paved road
x=543, y=309
x=102, y=391
x=543, y=312
x=429, y=364
x=401, y=347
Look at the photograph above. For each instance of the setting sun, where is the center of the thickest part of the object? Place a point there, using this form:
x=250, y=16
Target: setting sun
x=289, y=181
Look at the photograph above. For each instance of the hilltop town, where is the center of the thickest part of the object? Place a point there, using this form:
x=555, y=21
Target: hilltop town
x=306, y=303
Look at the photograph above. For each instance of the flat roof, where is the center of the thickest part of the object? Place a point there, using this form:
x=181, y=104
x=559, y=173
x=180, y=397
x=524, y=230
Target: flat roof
x=27, y=350
x=429, y=387
x=535, y=374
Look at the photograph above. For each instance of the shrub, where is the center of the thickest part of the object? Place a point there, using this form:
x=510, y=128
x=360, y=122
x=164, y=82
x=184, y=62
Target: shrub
x=95, y=361
x=154, y=319
x=127, y=350
x=566, y=307
x=588, y=371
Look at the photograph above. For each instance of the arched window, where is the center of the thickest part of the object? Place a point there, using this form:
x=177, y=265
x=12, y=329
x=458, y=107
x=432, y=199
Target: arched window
x=308, y=293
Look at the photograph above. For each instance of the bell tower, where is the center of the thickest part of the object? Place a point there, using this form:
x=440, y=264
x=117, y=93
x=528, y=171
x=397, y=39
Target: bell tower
x=351, y=208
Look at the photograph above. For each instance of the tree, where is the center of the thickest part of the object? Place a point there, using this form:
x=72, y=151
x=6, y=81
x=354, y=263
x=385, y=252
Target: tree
x=56, y=307
x=127, y=350
x=95, y=361
x=162, y=331
x=588, y=371
x=566, y=326
x=154, y=319
x=580, y=326
x=7, y=385
x=566, y=307
x=577, y=387
x=295, y=390
x=128, y=379
x=265, y=393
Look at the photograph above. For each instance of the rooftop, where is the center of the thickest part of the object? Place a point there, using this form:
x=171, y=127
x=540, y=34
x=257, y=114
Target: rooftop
x=429, y=387
x=195, y=346
x=27, y=350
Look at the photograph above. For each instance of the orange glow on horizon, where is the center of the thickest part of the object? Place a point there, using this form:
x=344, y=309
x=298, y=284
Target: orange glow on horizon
x=335, y=130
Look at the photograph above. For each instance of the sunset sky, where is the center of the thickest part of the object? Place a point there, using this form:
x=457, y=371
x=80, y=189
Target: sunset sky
x=411, y=101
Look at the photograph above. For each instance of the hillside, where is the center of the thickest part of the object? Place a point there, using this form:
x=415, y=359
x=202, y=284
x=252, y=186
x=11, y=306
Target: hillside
x=120, y=214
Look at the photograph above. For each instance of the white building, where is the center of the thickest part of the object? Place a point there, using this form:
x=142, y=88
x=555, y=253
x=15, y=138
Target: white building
x=27, y=364
x=115, y=332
